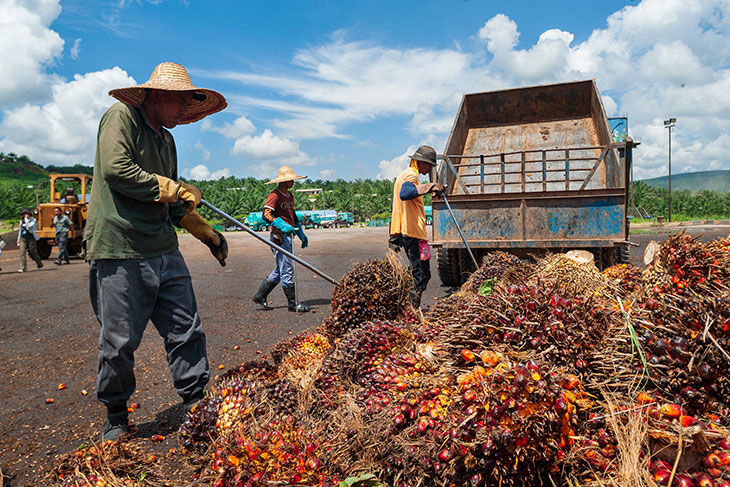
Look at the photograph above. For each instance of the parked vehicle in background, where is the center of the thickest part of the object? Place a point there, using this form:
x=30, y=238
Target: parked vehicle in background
x=531, y=170
x=256, y=221
x=344, y=219
x=72, y=204
x=305, y=219
x=429, y=214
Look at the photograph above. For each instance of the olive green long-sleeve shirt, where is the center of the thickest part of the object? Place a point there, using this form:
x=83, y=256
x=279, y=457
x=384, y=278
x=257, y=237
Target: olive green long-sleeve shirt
x=124, y=220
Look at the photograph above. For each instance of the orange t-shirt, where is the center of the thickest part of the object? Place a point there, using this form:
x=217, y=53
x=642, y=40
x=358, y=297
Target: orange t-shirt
x=409, y=217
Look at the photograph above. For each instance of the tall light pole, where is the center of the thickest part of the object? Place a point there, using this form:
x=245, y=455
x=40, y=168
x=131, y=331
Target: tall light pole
x=668, y=124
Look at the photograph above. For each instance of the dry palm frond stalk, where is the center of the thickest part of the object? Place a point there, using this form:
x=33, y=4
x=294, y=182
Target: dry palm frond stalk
x=111, y=464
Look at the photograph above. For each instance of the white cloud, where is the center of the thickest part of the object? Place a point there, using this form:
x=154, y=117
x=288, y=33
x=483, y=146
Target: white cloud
x=390, y=169
x=63, y=130
x=271, y=148
x=327, y=173
x=203, y=150
x=27, y=47
x=201, y=172
x=238, y=128
x=75, y=49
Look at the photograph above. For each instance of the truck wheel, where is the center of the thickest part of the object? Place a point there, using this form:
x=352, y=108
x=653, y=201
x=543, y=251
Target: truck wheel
x=447, y=262
x=44, y=249
x=624, y=254
x=466, y=265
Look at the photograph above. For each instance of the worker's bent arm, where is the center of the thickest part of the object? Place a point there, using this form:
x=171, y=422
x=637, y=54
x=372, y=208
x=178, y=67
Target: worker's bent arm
x=408, y=191
x=116, y=146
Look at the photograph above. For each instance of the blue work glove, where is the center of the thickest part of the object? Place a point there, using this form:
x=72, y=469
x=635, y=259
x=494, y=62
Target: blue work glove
x=283, y=226
x=302, y=237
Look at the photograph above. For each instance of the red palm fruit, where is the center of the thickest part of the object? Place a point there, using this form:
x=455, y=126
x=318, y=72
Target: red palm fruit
x=662, y=477
x=712, y=461
x=671, y=410
x=681, y=480
x=724, y=458
x=469, y=396
x=399, y=420
x=561, y=406
x=445, y=455
x=644, y=398
x=687, y=421
x=467, y=355
x=704, y=480
x=570, y=381
x=657, y=465
x=723, y=483
x=422, y=425
x=715, y=472
x=315, y=463
x=724, y=444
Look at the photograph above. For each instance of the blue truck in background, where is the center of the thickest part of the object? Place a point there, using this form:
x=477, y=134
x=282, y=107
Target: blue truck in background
x=529, y=171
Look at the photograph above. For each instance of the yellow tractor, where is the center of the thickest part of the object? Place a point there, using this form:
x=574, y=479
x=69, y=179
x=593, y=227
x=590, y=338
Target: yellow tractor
x=72, y=204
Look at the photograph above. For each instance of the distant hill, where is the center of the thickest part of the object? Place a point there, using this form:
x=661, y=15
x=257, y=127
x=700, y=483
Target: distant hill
x=694, y=181
x=20, y=169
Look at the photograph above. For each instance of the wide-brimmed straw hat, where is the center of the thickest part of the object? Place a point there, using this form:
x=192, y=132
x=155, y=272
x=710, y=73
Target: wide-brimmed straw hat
x=425, y=153
x=174, y=77
x=285, y=173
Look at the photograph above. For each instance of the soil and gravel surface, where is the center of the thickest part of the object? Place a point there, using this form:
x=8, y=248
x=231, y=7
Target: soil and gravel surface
x=48, y=336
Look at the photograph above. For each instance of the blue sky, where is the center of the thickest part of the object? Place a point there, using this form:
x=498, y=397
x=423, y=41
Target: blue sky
x=347, y=89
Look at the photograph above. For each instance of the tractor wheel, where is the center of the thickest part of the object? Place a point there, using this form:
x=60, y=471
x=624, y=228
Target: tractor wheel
x=44, y=249
x=447, y=261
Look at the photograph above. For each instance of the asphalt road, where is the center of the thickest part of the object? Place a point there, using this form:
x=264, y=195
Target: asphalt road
x=48, y=336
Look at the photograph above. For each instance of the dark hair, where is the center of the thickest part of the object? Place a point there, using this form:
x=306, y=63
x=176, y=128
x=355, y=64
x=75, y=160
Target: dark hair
x=59, y=209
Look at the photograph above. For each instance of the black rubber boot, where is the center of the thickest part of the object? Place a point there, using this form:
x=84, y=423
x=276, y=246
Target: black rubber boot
x=115, y=426
x=263, y=292
x=292, y=300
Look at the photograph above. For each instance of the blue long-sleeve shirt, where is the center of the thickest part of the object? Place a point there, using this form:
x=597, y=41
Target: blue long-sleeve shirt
x=408, y=191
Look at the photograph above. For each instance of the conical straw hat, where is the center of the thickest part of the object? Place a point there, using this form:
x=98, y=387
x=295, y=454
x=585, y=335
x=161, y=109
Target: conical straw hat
x=285, y=173
x=174, y=77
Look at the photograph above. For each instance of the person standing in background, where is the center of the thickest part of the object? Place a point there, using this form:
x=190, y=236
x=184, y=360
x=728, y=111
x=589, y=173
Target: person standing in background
x=63, y=224
x=27, y=240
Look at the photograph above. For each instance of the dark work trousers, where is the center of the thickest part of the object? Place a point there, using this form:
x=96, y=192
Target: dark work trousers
x=125, y=294
x=420, y=269
x=61, y=241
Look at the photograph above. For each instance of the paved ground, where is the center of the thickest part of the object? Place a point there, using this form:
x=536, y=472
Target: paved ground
x=48, y=336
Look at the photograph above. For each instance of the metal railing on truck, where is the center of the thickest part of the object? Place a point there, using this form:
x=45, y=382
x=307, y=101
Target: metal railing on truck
x=536, y=170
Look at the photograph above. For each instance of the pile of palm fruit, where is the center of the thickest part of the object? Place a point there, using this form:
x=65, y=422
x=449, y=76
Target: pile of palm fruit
x=531, y=374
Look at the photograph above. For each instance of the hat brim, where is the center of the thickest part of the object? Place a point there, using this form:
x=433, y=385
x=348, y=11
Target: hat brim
x=211, y=103
x=423, y=159
x=286, y=178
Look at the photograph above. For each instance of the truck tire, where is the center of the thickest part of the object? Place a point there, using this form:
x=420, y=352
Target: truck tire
x=624, y=254
x=466, y=265
x=44, y=249
x=447, y=262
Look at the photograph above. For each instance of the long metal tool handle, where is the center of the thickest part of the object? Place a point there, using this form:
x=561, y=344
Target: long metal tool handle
x=270, y=244
x=463, y=238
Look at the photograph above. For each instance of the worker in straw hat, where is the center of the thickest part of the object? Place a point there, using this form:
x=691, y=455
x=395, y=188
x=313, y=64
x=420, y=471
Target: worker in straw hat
x=137, y=273
x=279, y=213
x=408, y=222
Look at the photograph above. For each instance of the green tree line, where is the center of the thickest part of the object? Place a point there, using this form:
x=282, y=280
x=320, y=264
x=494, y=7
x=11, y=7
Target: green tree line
x=686, y=204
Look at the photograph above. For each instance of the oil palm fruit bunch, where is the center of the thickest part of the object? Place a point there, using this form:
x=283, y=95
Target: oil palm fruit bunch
x=683, y=338
x=571, y=331
x=691, y=263
x=501, y=423
x=627, y=276
x=279, y=452
x=494, y=266
x=375, y=290
x=233, y=397
x=305, y=351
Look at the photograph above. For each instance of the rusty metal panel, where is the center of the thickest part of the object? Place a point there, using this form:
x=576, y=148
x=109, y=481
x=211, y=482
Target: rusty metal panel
x=496, y=220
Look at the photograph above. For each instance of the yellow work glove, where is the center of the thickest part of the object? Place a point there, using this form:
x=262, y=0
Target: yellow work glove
x=171, y=191
x=201, y=229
